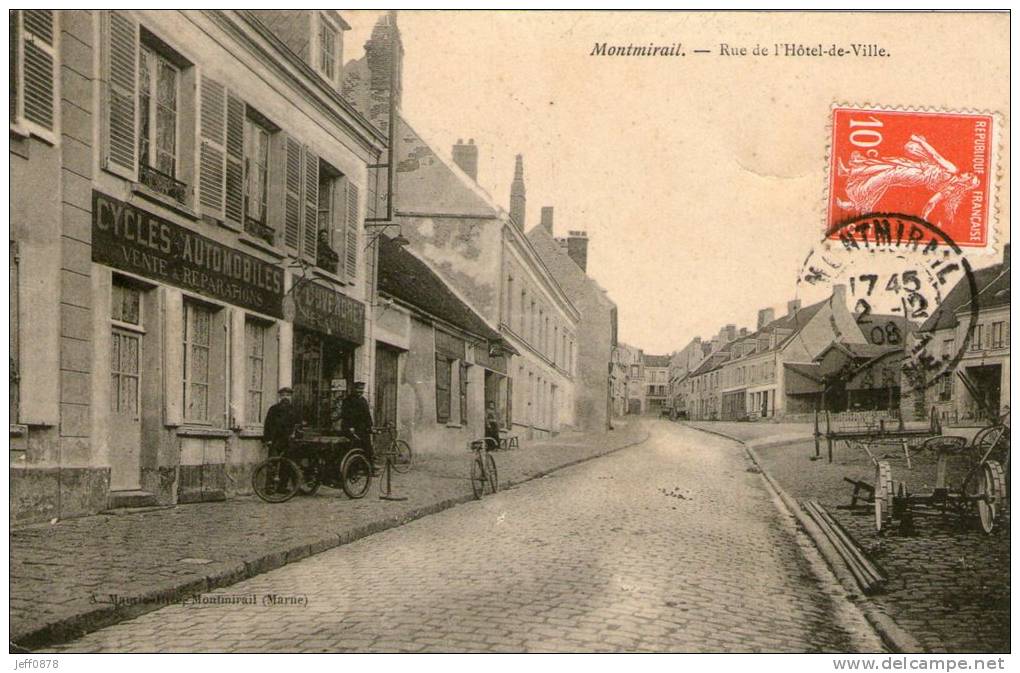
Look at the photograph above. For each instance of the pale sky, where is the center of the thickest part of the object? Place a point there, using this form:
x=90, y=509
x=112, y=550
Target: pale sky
x=699, y=179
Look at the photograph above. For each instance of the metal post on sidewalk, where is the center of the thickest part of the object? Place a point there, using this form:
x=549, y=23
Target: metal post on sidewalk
x=387, y=491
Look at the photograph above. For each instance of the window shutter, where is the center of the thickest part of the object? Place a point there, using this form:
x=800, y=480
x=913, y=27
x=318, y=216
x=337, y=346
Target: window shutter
x=14, y=22
x=212, y=155
x=121, y=72
x=311, y=214
x=37, y=28
x=351, y=242
x=292, y=196
x=234, y=188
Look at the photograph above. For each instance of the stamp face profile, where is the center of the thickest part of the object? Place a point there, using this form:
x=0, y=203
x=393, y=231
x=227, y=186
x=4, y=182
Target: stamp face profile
x=938, y=166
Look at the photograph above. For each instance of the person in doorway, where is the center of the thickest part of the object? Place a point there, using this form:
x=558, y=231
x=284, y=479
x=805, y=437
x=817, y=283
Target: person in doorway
x=356, y=417
x=281, y=419
x=492, y=425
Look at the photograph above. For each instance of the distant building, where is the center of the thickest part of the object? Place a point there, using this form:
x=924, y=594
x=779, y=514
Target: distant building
x=631, y=359
x=979, y=385
x=597, y=329
x=656, y=369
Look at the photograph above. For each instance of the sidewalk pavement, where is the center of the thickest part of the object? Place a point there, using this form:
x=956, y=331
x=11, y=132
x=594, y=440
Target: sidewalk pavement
x=948, y=582
x=83, y=574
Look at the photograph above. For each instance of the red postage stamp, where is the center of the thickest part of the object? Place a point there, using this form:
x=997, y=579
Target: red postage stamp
x=939, y=166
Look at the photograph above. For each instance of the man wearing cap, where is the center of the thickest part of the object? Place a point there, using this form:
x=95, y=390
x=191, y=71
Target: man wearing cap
x=356, y=416
x=281, y=419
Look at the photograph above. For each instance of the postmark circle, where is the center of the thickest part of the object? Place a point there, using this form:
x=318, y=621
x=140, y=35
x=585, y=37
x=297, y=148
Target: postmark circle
x=894, y=272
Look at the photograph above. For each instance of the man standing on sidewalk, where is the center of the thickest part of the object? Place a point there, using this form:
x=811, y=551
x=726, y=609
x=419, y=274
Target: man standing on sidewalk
x=356, y=416
x=281, y=419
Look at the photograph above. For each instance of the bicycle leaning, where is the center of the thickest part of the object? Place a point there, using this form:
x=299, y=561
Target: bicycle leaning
x=483, y=467
x=389, y=446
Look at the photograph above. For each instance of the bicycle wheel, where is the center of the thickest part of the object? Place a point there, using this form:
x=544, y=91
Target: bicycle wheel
x=491, y=473
x=276, y=479
x=355, y=475
x=402, y=456
x=478, y=478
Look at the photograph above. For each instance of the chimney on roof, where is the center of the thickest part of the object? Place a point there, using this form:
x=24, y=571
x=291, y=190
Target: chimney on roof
x=1005, y=254
x=517, y=197
x=547, y=219
x=743, y=332
x=792, y=306
x=730, y=332
x=765, y=316
x=839, y=294
x=466, y=157
x=384, y=53
x=577, y=248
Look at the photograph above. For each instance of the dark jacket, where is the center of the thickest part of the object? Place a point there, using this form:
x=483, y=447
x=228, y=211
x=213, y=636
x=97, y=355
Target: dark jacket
x=355, y=414
x=281, y=419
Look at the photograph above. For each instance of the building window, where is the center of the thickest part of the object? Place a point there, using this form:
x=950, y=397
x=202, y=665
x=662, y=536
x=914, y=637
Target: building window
x=946, y=387
x=998, y=334
x=976, y=335
x=255, y=354
x=326, y=256
x=444, y=376
x=14, y=373
x=464, y=392
x=158, y=86
x=33, y=76
x=256, y=180
x=125, y=347
x=197, y=346
x=328, y=48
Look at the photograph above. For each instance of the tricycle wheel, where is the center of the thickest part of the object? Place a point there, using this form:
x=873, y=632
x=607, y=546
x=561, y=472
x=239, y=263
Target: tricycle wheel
x=276, y=480
x=355, y=475
x=991, y=494
x=883, y=494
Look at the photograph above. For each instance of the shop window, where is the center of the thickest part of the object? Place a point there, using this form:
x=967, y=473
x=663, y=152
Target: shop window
x=33, y=74
x=255, y=332
x=444, y=382
x=198, y=343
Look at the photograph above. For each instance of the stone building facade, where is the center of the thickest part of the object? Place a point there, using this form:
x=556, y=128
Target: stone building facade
x=198, y=244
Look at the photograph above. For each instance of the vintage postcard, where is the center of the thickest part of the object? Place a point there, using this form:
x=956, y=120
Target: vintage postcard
x=401, y=331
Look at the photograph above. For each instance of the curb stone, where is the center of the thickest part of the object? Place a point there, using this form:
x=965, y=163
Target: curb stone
x=149, y=600
x=895, y=636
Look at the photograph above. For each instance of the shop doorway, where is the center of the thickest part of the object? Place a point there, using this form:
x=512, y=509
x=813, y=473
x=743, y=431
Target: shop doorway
x=387, y=360
x=127, y=331
x=323, y=367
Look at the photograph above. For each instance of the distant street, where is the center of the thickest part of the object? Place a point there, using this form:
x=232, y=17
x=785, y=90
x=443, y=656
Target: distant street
x=671, y=545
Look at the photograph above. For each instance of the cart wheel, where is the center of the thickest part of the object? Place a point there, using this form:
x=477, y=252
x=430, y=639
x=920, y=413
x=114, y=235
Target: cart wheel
x=883, y=494
x=490, y=463
x=478, y=479
x=276, y=480
x=991, y=494
x=355, y=475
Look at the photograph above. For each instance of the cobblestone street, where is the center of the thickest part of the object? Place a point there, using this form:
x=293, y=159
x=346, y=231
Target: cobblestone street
x=670, y=545
x=949, y=583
